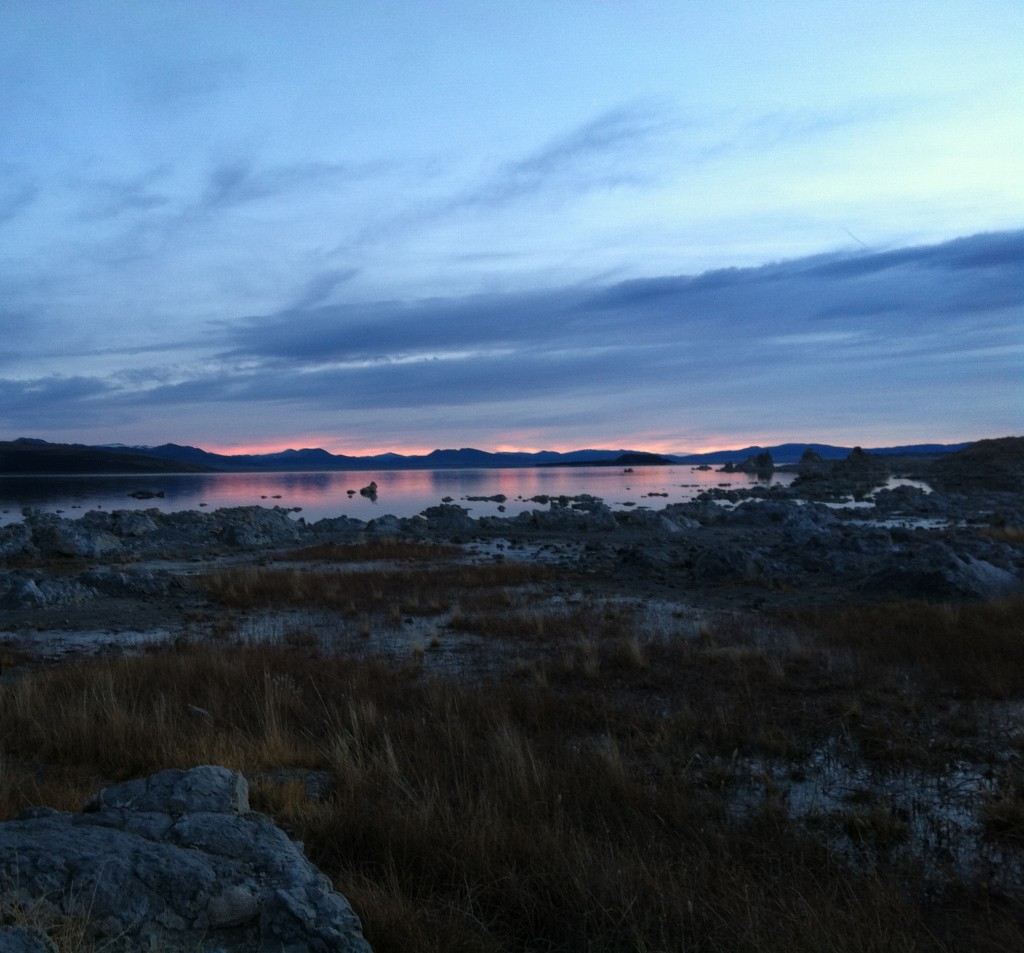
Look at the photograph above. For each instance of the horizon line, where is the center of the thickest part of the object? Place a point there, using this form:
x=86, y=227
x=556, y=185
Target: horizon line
x=262, y=449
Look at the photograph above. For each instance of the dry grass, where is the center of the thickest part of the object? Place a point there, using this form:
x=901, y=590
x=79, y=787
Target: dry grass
x=516, y=816
x=1004, y=815
x=523, y=618
x=411, y=590
x=972, y=648
x=67, y=934
x=474, y=812
x=582, y=804
x=1004, y=534
x=386, y=549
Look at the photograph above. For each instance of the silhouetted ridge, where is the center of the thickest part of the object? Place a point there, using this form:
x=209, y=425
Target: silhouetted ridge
x=32, y=455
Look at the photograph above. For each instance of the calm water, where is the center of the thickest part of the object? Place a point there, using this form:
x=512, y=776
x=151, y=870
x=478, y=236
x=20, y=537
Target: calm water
x=325, y=494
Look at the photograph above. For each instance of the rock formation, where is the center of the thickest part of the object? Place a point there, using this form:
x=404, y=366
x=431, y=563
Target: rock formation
x=176, y=861
x=760, y=464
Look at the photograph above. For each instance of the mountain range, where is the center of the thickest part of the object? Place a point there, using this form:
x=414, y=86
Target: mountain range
x=32, y=455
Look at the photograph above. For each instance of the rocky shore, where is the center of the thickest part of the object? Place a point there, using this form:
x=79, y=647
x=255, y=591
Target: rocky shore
x=839, y=532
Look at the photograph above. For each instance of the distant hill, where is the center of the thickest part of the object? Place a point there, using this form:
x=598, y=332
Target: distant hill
x=986, y=465
x=31, y=455
x=792, y=452
x=631, y=458
x=317, y=459
x=282, y=460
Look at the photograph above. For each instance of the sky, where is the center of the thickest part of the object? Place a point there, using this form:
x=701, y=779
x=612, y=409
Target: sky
x=550, y=224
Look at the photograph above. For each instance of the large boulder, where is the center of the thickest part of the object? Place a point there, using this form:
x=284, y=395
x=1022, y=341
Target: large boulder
x=656, y=524
x=386, y=525
x=935, y=571
x=449, y=518
x=725, y=565
x=760, y=464
x=15, y=540
x=54, y=536
x=133, y=523
x=22, y=591
x=254, y=526
x=138, y=582
x=338, y=524
x=583, y=515
x=798, y=520
x=175, y=861
x=694, y=514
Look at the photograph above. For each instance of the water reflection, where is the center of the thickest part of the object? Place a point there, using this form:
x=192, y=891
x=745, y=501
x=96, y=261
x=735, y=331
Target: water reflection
x=336, y=493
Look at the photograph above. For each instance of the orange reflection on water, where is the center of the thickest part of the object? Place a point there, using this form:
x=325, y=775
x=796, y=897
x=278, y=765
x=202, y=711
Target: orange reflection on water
x=399, y=492
x=409, y=492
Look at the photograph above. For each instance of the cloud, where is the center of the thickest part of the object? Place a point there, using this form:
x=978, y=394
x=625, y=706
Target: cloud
x=52, y=402
x=598, y=154
x=320, y=287
x=932, y=331
x=393, y=329
x=966, y=275
x=179, y=83
x=238, y=181
x=232, y=183
x=784, y=126
x=979, y=251
x=673, y=340
x=15, y=198
x=111, y=198
x=451, y=382
x=940, y=282
x=609, y=151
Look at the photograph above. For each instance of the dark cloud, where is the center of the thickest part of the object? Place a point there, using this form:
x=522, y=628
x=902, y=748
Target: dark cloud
x=396, y=329
x=996, y=250
x=964, y=276
x=897, y=333
x=985, y=251
x=922, y=299
x=865, y=291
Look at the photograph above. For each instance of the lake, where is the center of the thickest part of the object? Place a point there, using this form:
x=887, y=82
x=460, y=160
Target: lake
x=323, y=494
